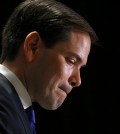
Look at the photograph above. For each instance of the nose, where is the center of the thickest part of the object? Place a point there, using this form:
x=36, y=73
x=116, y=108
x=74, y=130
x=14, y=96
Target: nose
x=75, y=79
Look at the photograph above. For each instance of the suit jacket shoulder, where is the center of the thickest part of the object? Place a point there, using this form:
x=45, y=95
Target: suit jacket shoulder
x=13, y=119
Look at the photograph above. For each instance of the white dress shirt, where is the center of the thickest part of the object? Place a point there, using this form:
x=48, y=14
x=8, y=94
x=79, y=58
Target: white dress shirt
x=19, y=87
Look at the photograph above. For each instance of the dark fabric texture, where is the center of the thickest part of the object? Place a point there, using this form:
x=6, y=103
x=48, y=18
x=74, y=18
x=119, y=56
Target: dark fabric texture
x=13, y=118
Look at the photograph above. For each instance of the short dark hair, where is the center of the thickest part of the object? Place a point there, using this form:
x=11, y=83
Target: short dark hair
x=50, y=18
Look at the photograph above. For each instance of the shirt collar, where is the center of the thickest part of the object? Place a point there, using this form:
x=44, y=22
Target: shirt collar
x=19, y=87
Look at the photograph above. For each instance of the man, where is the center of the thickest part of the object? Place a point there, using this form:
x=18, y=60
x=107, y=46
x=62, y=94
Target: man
x=44, y=46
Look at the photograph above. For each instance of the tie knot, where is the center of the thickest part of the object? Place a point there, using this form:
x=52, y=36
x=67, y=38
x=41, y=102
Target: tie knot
x=31, y=114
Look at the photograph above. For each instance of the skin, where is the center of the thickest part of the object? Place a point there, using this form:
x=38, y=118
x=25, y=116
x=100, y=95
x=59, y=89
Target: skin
x=49, y=75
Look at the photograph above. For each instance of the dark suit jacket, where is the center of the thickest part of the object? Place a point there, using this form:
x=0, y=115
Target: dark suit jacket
x=13, y=119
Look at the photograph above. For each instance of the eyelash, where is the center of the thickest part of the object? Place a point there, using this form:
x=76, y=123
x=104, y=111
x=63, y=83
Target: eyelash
x=70, y=61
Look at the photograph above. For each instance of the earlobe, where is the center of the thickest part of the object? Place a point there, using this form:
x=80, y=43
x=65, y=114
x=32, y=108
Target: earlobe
x=32, y=45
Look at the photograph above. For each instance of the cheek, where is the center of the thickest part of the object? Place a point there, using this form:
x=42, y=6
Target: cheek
x=57, y=69
x=64, y=72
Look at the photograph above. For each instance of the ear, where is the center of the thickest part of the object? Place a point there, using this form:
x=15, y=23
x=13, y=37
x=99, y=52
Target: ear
x=32, y=45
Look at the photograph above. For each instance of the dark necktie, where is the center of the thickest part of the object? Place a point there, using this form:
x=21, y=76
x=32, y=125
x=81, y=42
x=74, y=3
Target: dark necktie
x=31, y=117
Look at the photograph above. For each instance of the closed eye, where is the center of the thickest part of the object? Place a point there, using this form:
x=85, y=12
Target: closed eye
x=70, y=61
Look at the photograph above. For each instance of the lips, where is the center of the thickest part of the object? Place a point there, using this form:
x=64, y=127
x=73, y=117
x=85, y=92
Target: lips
x=66, y=89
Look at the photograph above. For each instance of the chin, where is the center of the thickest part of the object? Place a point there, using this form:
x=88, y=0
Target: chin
x=55, y=101
x=50, y=106
x=54, y=105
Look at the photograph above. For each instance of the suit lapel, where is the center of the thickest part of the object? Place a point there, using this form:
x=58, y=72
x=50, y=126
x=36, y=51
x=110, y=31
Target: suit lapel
x=17, y=105
x=21, y=113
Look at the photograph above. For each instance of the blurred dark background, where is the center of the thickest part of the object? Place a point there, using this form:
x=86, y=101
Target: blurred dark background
x=93, y=108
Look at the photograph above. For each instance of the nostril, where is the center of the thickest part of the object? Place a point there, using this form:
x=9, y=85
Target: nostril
x=73, y=84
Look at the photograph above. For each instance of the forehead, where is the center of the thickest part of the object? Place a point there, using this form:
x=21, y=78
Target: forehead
x=78, y=45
